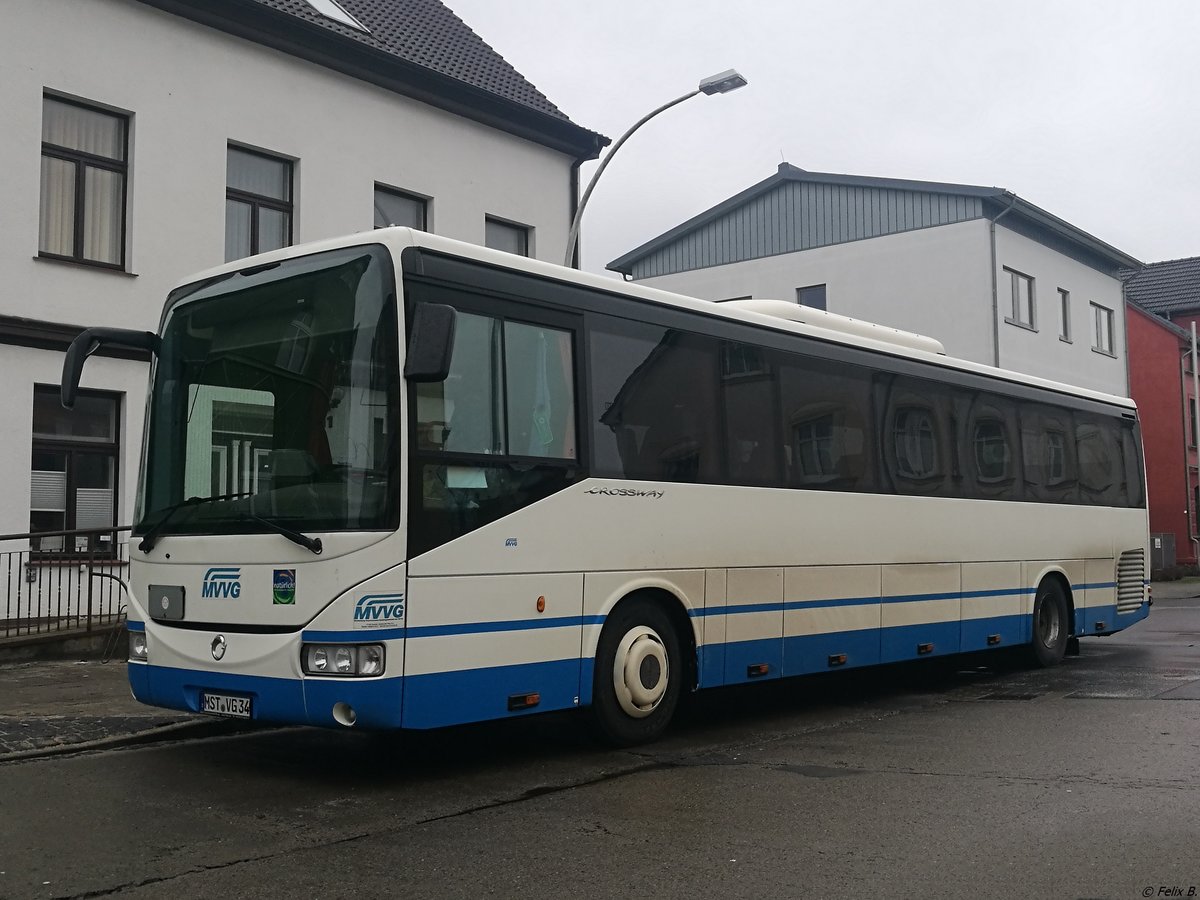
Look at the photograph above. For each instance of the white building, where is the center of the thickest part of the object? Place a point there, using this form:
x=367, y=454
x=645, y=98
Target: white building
x=993, y=277
x=147, y=139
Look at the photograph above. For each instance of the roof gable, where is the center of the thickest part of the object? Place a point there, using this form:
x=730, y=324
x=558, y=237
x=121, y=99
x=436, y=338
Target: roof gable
x=797, y=210
x=419, y=48
x=427, y=33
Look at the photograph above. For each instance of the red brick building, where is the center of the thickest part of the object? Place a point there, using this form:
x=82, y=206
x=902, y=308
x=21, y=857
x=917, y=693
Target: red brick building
x=1164, y=301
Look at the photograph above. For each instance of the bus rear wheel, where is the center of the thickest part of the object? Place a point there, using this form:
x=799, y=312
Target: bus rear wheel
x=1050, y=628
x=638, y=674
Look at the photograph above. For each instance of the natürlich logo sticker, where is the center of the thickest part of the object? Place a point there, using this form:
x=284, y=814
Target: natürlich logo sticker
x=283, y=587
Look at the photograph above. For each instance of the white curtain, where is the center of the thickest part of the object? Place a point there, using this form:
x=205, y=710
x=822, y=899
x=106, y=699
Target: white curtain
x=97, y=133
x=103, y=192
x=87, y=130
x=56, y=233
x=260, y=175
x=237, y=229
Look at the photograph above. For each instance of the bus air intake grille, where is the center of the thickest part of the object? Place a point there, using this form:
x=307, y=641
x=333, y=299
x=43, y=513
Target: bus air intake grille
x=1131, y=578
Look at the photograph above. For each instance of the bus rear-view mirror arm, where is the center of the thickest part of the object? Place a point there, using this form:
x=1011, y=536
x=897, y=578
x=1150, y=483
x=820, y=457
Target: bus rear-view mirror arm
x=89, y=341
x=432, y=343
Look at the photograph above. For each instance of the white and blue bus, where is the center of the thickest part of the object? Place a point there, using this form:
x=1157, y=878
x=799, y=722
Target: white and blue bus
x=396, y=481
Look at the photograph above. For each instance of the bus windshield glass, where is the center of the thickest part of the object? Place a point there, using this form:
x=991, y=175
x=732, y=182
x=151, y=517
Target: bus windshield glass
x=275, y=397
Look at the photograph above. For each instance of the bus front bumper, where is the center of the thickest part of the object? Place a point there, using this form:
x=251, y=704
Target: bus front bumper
x=373, y=703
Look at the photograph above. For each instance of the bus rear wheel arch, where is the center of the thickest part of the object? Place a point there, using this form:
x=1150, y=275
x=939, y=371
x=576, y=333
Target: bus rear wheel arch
x=639, y=673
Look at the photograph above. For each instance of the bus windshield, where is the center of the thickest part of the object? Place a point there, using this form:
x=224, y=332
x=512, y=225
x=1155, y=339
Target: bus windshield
x=275, y=397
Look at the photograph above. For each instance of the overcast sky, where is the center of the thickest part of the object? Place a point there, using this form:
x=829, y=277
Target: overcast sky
x=1086, y=109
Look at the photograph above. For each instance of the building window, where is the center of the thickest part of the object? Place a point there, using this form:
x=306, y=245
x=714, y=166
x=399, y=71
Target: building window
x=258, y=203
x=506, y=236
x=84, y=170
x=1102, y=329
x=394, y=207
x=915, y=440
x=815, y=456
x=742, y=360
x=331, y=9
x=1191, y=402
x=813, y=295
x=1064, y=306
x=74, y=467
x=1056, y=457
x=1023, y=301
x=991, y=450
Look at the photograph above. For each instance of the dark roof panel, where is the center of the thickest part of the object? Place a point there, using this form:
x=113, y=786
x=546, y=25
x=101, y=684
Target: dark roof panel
x=417, y=48
x=997, y=201
x=1166, y=288
x=425, y=32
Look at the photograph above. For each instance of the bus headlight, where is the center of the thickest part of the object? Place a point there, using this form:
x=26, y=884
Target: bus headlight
x=137, y=646
x=370, y=659
x=344, y=660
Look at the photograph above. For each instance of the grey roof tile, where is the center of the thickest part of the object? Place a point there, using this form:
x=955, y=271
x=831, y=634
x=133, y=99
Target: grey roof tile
x=1165, y=288
x=428, y=34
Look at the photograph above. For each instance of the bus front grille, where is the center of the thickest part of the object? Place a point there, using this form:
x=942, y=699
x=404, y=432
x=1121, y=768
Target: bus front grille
x=1131, y=578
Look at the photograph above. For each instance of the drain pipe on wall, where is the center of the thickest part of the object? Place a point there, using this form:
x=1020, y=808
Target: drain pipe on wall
x=995, y=296
x=1193, y=411
x=574, y=206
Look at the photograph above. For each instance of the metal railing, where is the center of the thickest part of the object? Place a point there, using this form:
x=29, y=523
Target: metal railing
x=62, y=580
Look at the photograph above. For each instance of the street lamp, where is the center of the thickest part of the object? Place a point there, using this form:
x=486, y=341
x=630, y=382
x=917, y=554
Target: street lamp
x=721, y=83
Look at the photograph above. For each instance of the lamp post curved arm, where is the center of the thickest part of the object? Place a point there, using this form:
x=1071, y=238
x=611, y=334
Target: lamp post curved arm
x=717, y=84
x=573, y=234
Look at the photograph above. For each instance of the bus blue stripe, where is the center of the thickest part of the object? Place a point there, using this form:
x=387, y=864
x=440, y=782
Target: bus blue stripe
x=728, y=609
x=421, y=631
x=365, y=636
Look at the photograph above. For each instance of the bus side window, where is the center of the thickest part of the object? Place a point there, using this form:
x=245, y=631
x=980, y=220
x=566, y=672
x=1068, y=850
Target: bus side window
x=1048, y=452
x=539, y=384
x=917, y=434
x=1100, y=467
x=658, y=402
x=463, y=413
x=749, y=385
x=824, y=415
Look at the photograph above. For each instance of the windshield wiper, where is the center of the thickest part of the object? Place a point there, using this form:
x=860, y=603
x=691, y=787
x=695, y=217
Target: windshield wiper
x=309, y=543
x=150, y=538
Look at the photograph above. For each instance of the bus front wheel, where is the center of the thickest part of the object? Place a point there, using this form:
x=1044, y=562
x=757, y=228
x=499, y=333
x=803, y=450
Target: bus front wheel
x=638, y=674
x=1050, y=627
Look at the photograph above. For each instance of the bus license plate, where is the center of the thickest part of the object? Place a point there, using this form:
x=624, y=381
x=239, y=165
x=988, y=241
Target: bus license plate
x=225, y=705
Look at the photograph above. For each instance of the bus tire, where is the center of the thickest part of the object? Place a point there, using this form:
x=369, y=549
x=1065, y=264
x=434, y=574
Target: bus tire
x=1050, y=628
x=638, y=674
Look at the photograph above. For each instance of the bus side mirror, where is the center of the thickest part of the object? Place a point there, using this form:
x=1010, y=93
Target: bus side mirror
x=432, y=343
x=89, y=341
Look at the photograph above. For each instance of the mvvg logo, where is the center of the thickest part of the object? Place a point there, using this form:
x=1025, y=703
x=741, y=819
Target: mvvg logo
x=222, y=581
x=379, y=608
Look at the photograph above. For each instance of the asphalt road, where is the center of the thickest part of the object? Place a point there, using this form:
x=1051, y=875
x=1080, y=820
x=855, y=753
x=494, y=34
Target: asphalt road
x=1075, y=782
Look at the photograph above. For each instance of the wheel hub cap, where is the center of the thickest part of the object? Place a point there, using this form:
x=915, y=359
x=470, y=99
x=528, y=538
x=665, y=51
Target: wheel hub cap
x=640, y=672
